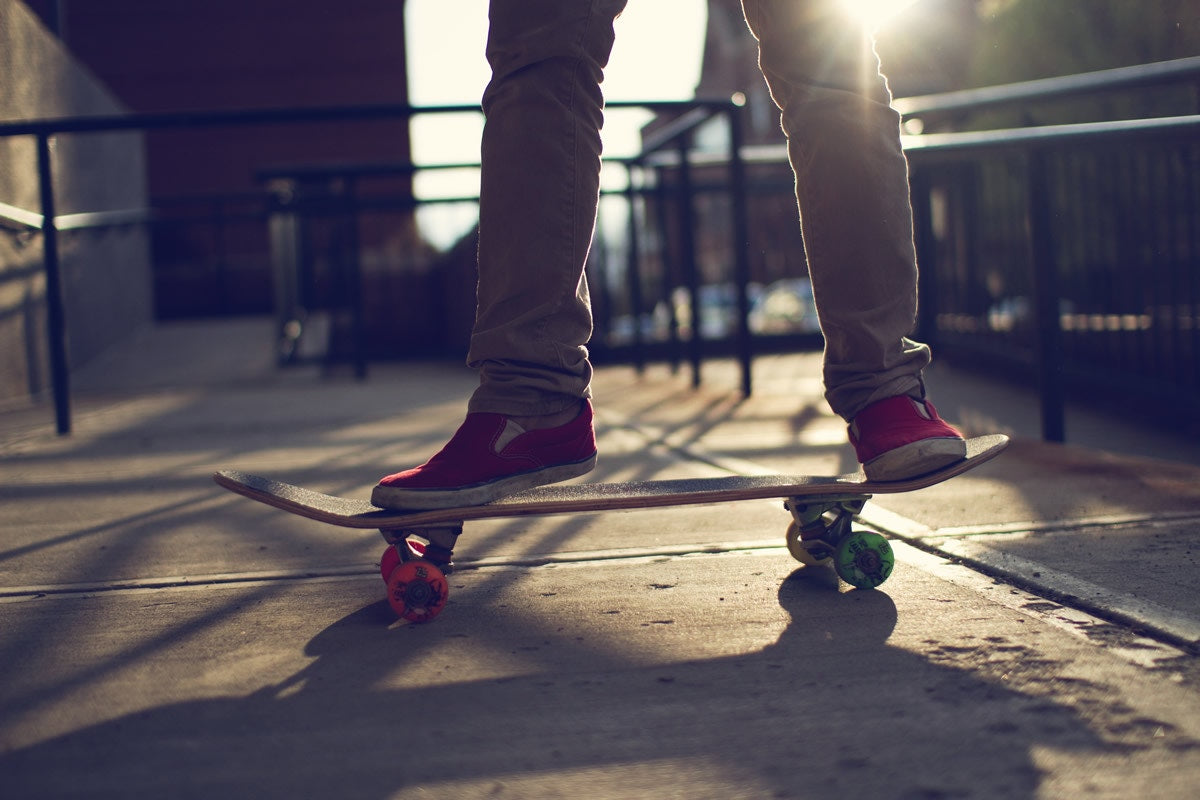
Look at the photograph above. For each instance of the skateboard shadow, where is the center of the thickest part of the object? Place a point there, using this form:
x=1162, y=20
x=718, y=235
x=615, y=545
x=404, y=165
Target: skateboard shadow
x=828, y=709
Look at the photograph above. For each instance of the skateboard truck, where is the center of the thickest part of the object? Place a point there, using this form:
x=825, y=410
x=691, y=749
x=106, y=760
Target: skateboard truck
x=822, y=529
x=432, y=544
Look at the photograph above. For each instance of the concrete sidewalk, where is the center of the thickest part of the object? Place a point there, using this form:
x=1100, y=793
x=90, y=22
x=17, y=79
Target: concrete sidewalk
x=163, y=637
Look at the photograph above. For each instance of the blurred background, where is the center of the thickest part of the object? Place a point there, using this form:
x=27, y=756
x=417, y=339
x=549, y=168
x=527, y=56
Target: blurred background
x=316, y=162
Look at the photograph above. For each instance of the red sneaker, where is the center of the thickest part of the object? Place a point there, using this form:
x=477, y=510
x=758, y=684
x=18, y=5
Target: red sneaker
x=489, y=457
x=901, y=438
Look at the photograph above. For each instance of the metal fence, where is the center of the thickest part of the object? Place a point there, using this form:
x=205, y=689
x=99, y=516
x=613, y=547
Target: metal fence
x=212, y=218
x=1069, y=254
x=1064, y=252
x=1065, y=256
x=50, y=225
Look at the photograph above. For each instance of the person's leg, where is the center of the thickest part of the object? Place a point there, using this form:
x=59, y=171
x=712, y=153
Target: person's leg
x=538, y=199
x=528, y=421
x=853, y=195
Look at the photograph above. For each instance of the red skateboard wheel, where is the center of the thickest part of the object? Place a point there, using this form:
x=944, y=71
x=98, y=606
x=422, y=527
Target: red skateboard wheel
x=391, y=557
x=417, y=591
x=388, y=562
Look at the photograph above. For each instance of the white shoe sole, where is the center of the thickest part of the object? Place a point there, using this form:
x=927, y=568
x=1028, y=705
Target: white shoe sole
x=915, y=459
x=400, y=499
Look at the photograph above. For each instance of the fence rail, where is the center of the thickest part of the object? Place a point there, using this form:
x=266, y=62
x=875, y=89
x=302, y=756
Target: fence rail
x=49, y=224
x=1070, y=250
x=1107, y=81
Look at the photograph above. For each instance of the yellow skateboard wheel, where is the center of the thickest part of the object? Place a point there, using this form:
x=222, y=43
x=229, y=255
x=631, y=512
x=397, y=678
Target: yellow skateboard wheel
x=811, y=553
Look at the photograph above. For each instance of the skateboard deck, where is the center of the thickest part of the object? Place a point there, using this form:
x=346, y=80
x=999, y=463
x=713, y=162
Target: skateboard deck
x=568, y=498
x=822, y=508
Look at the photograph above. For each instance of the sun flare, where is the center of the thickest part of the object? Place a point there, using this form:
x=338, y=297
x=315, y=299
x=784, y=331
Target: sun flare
x=875, y=14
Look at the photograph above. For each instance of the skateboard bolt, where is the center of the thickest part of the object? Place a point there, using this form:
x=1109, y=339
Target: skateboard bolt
x=418, y=594
x=868, y=561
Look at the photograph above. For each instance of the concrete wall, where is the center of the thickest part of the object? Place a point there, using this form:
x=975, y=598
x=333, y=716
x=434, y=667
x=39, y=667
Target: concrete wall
x=106, y=273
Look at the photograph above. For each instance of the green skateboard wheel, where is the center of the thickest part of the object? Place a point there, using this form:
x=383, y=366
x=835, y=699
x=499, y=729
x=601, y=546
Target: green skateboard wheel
x=864, y=559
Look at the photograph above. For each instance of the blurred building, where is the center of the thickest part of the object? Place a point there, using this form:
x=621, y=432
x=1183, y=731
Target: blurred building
x=211, y=246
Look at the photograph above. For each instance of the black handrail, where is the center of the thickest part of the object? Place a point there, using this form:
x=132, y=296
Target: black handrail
x=933, y=145
x=1107, y=80
x=1034, y=145
x=693, y=113
x=99, y=123
x=50, y=224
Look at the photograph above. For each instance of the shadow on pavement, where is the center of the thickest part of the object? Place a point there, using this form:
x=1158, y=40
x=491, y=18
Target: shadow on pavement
x=816, y=713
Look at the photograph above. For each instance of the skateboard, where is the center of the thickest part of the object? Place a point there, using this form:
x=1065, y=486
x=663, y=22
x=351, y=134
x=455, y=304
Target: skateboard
x=421, y=543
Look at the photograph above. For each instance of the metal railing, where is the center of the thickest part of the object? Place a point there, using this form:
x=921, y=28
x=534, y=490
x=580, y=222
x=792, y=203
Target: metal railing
x=664, y=173
x=1066, y=252
x=49, y=224
x=1045, y=90
x=1001, y=229
x=1069, y=252
x=1063, y=253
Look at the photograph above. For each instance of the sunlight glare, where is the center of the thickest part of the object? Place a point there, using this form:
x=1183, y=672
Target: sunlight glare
x=446, y=43
x=875, y=14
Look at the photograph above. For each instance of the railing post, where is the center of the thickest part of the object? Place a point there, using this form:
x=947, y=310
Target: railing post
x=1046, y=314
x=633, y=266
x=687, y=255
x=740, y=234
x=285, y=227
x=353, y=275
x=669, y=259
x=925, y=240
x=56, y=323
